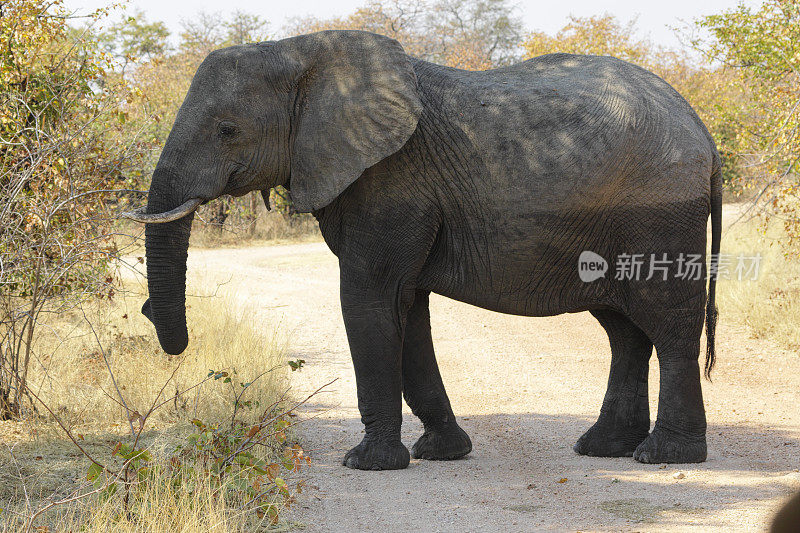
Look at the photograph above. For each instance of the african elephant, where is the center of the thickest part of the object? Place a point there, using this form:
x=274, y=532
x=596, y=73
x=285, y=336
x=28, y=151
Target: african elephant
x=485, y=187
x=788, y=518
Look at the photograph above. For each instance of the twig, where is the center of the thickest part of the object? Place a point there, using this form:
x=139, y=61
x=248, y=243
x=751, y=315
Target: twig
x=110, y=373
x=69, y=434
x=68, y=499
x=247, y=443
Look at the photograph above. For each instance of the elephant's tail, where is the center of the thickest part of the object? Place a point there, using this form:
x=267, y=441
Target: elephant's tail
x=716, y=235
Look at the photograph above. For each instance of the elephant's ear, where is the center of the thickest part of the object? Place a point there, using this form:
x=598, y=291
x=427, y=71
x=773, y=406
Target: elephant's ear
x=357, y=104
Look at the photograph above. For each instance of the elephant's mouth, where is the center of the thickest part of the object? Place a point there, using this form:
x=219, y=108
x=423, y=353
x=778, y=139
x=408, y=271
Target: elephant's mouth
x=238, y=183
x=239, y=191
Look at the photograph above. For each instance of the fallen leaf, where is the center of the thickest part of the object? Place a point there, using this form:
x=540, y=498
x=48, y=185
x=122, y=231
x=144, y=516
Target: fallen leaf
x=562, y=480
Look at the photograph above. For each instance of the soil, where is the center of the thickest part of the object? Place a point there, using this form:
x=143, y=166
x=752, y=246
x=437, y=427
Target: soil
x=524, y=389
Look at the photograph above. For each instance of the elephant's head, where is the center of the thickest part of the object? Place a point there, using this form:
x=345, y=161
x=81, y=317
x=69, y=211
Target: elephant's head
x=309, y=112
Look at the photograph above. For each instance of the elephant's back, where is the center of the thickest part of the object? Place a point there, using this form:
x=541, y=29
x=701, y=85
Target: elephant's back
x=574, y=129
x=577, y=82
x=561, y=91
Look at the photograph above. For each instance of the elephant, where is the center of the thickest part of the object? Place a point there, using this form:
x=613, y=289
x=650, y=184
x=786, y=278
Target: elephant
x=787, y=520
x=487, y=187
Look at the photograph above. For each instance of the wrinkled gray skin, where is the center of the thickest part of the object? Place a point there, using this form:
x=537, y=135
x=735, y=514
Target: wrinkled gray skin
x=481, y=186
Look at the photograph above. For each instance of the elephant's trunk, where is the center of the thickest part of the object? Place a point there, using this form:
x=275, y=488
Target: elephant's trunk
x=166, y=249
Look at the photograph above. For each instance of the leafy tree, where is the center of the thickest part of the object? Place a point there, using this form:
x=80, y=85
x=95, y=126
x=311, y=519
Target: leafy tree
x=600, y=35
x=398, y=19
x=201, y=35
x=473, y=34
x=134, y=39
x=469, y=34
x=60, y=154
x=762, y=47
x=210, y=31
x=242, y=28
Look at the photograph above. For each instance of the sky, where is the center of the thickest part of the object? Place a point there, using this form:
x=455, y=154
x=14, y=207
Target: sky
x=654, y=18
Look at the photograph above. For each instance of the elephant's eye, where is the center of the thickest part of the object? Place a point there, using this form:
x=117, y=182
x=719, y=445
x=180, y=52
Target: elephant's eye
x=226, y=129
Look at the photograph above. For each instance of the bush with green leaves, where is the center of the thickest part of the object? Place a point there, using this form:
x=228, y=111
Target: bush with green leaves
x=248, y=462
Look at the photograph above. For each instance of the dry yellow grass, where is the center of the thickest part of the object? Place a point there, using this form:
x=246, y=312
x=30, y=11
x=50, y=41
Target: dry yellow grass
x=161, y=508
x=769, y=305
x=158, y=508
x=271, y=227
x=70, y=375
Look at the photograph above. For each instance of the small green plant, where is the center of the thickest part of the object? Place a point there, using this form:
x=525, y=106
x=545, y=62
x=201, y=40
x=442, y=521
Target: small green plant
x=247, y=460
x=297, y=364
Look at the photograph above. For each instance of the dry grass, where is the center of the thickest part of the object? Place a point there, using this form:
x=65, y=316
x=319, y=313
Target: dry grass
x=769, y=305
x=163, y=509
x=271, y=227
x=70, y=375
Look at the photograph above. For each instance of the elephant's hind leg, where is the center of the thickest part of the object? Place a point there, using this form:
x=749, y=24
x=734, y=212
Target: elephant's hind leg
x=624, y=419
x=679, y=434
x=424, y=391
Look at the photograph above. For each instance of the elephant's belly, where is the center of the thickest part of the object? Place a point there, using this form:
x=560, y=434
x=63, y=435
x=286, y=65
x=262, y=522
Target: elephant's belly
x=534, y=281
x=529, y=305
x=548, y=264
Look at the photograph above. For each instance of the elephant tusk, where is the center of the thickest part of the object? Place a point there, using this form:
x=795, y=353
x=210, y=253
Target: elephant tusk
x=139, y=215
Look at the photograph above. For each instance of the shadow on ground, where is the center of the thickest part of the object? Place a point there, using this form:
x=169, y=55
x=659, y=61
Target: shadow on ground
x=522, y=464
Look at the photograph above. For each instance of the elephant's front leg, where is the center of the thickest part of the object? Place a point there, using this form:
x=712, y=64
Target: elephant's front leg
x=424, y=390
x=375, y=331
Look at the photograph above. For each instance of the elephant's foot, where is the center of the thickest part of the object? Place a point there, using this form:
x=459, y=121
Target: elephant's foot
x=608, y=440
x=377, y=455
x=666, y=446
x=442, y=443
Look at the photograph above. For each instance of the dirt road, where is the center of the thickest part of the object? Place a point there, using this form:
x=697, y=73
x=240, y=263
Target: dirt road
x=524, y=389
